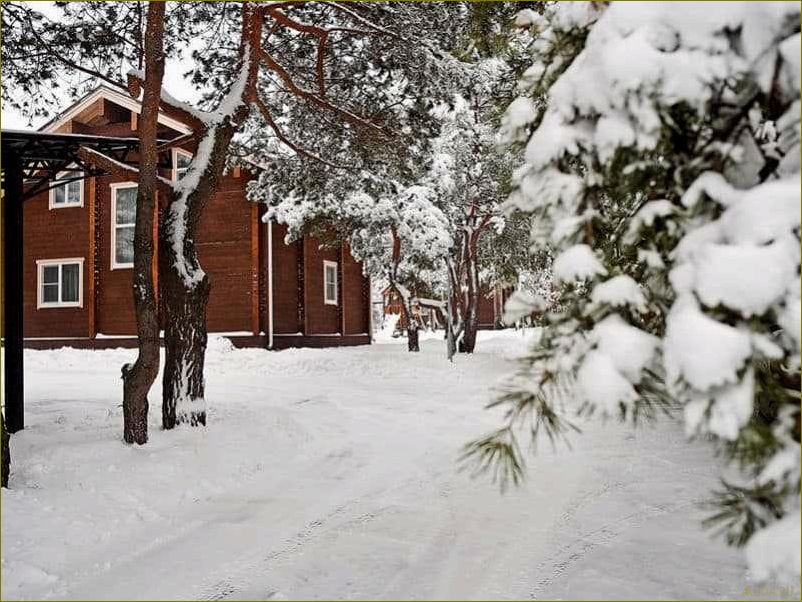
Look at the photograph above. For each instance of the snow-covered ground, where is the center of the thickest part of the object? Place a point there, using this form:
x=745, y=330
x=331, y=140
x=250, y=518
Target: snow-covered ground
x=333, y=474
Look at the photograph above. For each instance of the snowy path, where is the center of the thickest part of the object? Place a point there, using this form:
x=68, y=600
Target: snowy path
x=332, y=474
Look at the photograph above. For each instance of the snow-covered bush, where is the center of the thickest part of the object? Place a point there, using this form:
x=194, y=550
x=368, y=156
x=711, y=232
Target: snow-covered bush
x=662, y=165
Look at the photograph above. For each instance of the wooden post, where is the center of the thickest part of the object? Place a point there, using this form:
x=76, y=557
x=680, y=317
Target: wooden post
x=255, y=269
x=341, y=288
x=305, y=271
x=155, y=262
x=301, y=292
x=90, y=258
x=12, y=295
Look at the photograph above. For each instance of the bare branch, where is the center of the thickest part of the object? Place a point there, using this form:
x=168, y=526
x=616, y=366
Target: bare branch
x=360, y=19
x=315, y=98
x=265, y=111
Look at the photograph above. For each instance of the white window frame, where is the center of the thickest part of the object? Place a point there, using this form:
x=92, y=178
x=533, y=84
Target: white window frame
x=114, y=225
x=52, y=193
x=175, y=153
x=40, y=266
x=326, y=300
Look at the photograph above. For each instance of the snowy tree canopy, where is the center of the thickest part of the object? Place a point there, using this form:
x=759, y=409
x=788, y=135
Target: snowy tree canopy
x=662, y=164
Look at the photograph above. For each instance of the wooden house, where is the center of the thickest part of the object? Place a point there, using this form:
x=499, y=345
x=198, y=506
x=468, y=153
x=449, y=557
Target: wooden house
x=430, y=311
x=78, y=254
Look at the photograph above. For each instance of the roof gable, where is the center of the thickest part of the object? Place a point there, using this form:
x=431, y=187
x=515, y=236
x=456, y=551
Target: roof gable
x=115, y=97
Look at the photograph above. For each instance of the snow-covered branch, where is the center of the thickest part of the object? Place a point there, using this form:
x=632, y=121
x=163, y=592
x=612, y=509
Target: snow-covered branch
x=117, y=168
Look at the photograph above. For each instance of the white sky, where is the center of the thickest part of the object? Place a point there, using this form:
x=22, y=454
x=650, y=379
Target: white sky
x=174, y=82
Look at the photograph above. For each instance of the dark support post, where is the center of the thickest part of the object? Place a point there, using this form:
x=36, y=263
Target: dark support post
x=12, y=295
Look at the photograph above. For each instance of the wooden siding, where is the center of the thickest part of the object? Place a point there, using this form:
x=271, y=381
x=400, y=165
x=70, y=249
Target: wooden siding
x=321, y=318
x=224, y=249
x=285, y=283
x=114, y=297
x=355, y=295
x=232, y=249
x=53, y=234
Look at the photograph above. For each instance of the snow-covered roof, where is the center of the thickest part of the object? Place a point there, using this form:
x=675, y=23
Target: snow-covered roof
x=114, y=96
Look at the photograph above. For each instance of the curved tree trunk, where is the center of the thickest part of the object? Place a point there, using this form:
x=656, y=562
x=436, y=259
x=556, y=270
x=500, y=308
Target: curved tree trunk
x=138, y=379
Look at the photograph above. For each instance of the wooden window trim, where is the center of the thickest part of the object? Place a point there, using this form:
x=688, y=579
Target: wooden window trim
x=330, y=264
x=114, y=225
x=174, y=161
x=52, y=194
x=43, y=263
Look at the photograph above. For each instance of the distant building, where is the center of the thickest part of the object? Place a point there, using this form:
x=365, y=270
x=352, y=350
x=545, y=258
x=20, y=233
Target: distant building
x=431, y=312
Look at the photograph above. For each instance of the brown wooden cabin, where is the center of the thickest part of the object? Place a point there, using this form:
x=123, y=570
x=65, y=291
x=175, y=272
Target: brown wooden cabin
x=78, y=253
x=429, y=312
x=491, y=306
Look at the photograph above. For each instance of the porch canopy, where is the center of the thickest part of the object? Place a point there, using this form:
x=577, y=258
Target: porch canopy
x=30, y=163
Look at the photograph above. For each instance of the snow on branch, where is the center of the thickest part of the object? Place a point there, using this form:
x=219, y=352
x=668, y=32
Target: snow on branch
x=186, y=113
x=112, y=166
x=196, y=118
x=178, y=141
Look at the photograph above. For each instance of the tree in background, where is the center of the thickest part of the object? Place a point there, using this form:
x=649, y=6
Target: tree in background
x=397, y=231
x=329, y=179
x=470, y=174
x=662, y=165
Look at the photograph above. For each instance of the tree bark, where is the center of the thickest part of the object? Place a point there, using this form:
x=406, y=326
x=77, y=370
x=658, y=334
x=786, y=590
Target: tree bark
x=468, y=341
x=470, y=269
x=6, y=454
x=413, y=339
x=413, y=328
x=186, y=293
x=185, y=287
x=185, y=339
x=139, y=377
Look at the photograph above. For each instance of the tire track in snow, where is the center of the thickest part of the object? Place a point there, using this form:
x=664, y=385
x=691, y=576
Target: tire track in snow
x=570, y=554
x=238, y=579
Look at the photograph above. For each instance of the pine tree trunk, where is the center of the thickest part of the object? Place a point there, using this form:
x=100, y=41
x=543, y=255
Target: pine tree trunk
x=413, y=339
x=6, y=455
x=138, y=379
x=468, y=341
x=413, y=327
x=185, y=339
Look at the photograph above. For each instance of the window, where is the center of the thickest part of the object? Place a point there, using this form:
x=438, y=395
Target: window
x=60, y=283
x=123, y=217
x=68, y=194
x=181, y=161
x=330, y=282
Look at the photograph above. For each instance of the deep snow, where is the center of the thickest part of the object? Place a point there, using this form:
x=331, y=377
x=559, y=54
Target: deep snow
x=332, y=474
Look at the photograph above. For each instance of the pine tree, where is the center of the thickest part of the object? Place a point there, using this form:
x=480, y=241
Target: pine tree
x=662, y=167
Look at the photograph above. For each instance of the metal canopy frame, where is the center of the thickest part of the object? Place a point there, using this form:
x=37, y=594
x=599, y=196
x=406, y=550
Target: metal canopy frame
x=30, y=162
